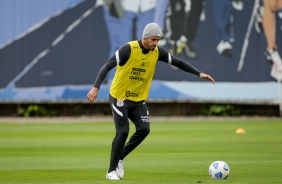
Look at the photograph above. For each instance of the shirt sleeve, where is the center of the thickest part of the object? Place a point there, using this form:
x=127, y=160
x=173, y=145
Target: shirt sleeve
x=166, y=57
x=109, y=65
x=119, y=58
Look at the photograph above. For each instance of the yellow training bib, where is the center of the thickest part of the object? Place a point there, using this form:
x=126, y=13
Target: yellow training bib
x=132, y=81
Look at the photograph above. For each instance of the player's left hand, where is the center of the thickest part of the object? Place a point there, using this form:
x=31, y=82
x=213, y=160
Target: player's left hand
x=206, y=76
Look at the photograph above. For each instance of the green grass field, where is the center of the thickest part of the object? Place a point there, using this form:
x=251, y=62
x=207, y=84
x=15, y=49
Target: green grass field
x=173, y=153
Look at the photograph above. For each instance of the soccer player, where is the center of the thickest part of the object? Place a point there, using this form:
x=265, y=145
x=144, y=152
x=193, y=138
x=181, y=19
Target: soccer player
x=266, y=23
x=269, y=27
x=135, y=64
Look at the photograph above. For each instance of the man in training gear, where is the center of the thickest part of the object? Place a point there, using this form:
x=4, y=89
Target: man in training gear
x=135, y=64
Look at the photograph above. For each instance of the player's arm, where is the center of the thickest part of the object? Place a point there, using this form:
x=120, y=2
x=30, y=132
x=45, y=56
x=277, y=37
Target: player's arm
x=166, y=57
x=119, y=58
x=93, y=93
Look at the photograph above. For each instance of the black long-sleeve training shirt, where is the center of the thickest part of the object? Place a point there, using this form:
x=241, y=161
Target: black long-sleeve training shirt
x=124, y=53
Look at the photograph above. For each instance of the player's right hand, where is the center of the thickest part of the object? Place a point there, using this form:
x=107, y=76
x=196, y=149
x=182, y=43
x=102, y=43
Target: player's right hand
x=92, y=94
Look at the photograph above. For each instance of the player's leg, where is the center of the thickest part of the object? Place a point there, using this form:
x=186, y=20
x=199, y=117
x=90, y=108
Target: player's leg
x=139, y=115
x=177, y=13
x=269, y=22
x=269, y=25
x=191, y=26
x=221, y=14
x=119, y=111
x=193, y=18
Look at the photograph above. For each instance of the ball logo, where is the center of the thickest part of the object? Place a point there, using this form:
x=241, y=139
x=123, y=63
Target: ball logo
x=218, y=175
x=225, y=167
x=215, y=165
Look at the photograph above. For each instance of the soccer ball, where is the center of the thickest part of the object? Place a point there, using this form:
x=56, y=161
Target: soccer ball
x=219, y=170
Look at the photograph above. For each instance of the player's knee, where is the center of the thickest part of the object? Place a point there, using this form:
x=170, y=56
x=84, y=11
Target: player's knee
x=145, y=130
x=123, y=133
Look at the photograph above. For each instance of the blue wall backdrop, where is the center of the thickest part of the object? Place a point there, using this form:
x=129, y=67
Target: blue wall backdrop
x=53, y=50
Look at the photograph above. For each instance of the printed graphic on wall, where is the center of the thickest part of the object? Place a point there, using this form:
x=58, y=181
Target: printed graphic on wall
x=53, y=50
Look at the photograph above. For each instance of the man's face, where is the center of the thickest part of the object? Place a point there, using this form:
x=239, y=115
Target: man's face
x=151, y=42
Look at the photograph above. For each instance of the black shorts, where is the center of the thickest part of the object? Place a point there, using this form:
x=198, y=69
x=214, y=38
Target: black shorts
x=123, y=110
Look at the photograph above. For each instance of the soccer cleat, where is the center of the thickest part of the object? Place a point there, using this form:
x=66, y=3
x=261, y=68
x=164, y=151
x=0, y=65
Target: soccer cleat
x=112, y=176
x=180, y=47
x=120, y=170
x=276, y=72
x=224, y=48
x=189, y=51
x=273, y=56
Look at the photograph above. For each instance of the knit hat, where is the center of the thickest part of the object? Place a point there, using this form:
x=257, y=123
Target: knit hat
x=152, y=29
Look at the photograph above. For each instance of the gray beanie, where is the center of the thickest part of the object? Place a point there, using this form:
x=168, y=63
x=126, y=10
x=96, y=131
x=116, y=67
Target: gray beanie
x=152, y=29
